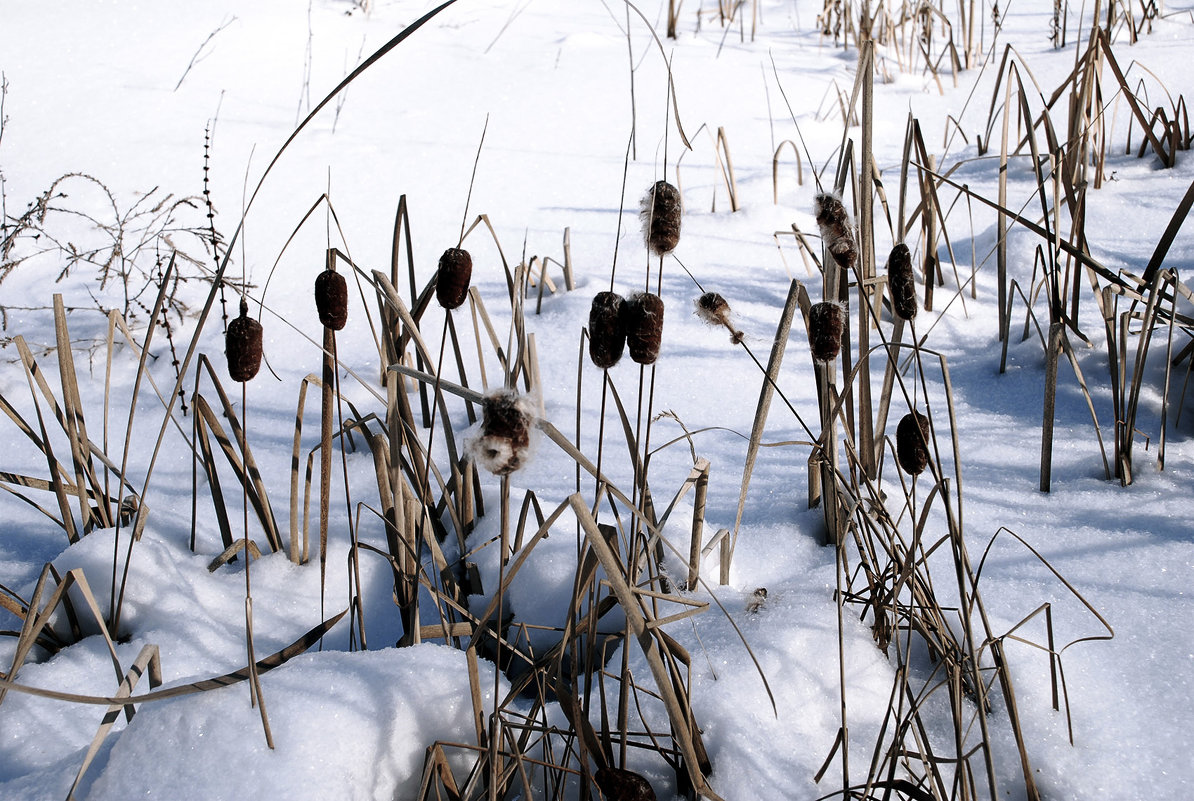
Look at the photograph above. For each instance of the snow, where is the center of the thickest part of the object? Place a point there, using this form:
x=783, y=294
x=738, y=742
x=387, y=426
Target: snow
x=123, y=91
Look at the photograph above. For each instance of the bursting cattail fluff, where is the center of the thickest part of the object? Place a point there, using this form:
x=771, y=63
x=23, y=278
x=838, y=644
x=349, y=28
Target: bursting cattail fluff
x=331, y=299
x=643, y=316
x=901, y=281
x=504, y=443
x=618, y=784
x=836, y=231
x=452, y=281
x=662, y=208
x=242, y=345
x=607, y=332
x=912, y=437
x=825, y=323
x=713, y=309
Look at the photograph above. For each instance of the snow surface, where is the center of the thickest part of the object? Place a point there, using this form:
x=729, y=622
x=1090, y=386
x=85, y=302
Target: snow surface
x=109, y=89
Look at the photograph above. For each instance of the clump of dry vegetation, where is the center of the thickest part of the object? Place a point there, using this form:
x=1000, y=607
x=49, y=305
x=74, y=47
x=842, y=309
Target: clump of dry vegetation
x=429, y=495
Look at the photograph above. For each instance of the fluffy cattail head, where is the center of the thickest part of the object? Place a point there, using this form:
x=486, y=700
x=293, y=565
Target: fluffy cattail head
x=242, y=345
x=331, y=299
x=661, y=212
x=643, y=315
x=901, y=282
x=607, y=334
x=619, y=784
x=825, y=322
x=455, y=272
x=505, y=440
x=714, y=310
x=836, y=231
x=912, y=437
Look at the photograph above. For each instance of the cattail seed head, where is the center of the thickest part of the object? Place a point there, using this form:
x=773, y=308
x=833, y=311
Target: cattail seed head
x=836, y=231
x=661, y=211
x=619, y=784
x=242, y=345
x=644, y=326
x=825, y=322
x=912, y=437
x=901, y=281
x=455, y=272
x=607, y=334
x=331, y=299
x=713, y=309
x=505, y=440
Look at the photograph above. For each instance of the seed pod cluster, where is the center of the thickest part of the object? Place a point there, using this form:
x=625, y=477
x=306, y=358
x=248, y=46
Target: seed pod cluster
x=452, y=281
x=619, y=784
x=825, y=322
x=643, y=319
x=661, y=211
x=715, y=310
x=242, y=345
x=607, y=332
x=901, y=282
x=505, y=441
x=912, y=437
x=836, y=231
x=331, y=299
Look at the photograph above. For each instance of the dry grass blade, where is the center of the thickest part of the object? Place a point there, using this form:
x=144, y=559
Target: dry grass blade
x=796, y=292
x=148, y=659
x=206, y=685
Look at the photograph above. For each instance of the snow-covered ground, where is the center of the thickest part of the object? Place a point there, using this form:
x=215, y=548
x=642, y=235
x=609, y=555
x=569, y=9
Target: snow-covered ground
x=124, y=92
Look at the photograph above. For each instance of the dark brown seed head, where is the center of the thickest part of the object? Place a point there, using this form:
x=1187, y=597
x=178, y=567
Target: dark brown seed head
x=901, y=281
x=661, y=213
x=836, y=232
x=607, y=336
x=825, y=322
x=912, y=437
x=504, y=443
x=644, y=326
x=455, y=272
x=242, y=345
x=331, y=299
x=619, y=784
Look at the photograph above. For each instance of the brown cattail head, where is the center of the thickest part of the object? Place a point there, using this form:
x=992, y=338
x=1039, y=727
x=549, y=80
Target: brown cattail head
x=242, y=345
x=643, y=319
x=912, y=437
x=607, y=334
x=455, y=272
x=505, y=440
x=901, y=281
x=661, y=212
x=825, y=322
x=714, y=310
x=619, y=784
x=836, y=231
x=331, y=299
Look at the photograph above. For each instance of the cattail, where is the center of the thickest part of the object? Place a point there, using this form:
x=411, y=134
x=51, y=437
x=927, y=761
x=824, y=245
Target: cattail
x=242, y=345
x=643, y=320
x=714, y=310
x=331, y=299
x=619, y=784
x=505, y=440
x=661, y=212
x=834, y=223
x=901, y=282
x=912, y=437
x=455, y=272
x=607, y=334
x=825, y=322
